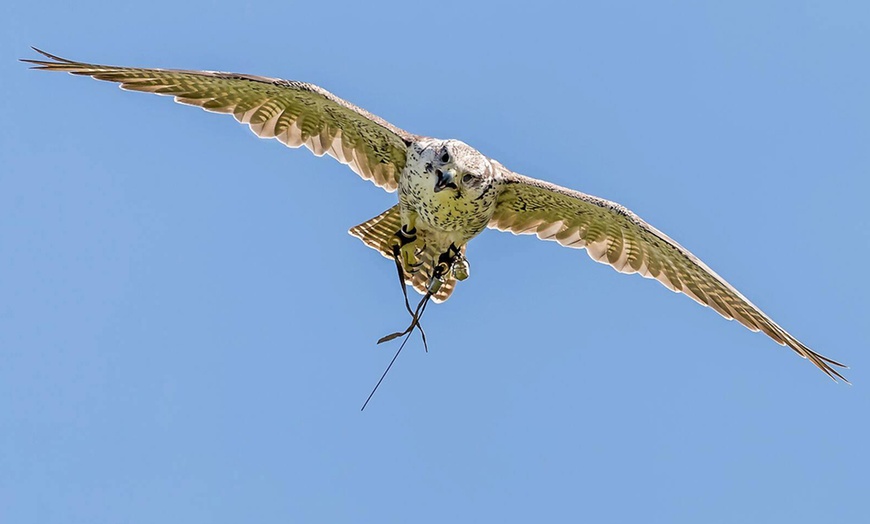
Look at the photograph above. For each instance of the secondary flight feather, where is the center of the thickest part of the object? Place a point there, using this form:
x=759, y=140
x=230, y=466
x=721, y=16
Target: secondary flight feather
x=448, y=191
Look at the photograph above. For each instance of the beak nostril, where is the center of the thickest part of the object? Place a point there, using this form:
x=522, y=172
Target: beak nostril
x=438, y=173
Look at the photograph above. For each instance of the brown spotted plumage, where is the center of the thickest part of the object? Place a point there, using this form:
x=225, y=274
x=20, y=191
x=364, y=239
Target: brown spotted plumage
x=448, y=191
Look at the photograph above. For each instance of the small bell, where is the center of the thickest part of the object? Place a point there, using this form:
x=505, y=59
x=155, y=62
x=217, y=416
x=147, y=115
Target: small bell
x=461, y=268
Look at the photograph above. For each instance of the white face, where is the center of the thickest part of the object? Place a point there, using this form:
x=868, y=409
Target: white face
x=457, y=169
x=451, y=186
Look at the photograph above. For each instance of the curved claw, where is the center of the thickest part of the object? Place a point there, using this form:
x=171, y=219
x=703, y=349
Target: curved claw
x=410, y=262
x=404, y=249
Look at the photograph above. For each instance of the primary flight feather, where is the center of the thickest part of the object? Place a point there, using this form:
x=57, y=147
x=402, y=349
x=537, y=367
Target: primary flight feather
x=448, y=191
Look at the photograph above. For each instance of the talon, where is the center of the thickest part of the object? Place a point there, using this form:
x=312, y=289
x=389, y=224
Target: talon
x=446, y=260
x=441, y=269
x=452, y=261
x=409, y=259
x=404, y=249
x=412, y=268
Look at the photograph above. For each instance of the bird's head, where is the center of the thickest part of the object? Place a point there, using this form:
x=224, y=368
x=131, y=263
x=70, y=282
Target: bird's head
x=459, y=168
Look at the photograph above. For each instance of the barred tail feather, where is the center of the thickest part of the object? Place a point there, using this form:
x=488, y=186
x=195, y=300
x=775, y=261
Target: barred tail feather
x=378, y=233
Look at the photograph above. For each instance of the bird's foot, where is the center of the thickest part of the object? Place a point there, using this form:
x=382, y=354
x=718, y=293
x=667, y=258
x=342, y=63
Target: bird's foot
x=408, y=238
x=451, y=262
x=404, y=250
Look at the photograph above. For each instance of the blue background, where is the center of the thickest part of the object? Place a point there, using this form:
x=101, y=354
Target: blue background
x=187, y=331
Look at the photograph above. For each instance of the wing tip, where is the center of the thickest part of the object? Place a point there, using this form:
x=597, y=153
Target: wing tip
x=53, y=60
x=825, y=364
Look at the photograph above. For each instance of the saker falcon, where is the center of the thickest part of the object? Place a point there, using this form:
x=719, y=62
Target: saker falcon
x=448, y=191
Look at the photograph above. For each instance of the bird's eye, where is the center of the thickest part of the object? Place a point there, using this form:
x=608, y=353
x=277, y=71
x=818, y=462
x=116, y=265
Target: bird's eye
x=467, y=178
x=445, y=157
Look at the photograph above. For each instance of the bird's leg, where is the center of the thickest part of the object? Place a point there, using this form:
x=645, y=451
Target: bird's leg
x=405, y=254
x=452, y=262
x=406, y=239
x=415, y=320
x=404, y=242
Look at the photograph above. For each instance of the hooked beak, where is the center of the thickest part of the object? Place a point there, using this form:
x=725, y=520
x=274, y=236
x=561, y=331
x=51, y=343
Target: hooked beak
x=445, y=179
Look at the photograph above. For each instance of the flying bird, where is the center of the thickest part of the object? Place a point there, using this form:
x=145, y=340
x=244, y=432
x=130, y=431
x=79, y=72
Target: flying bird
x=448, y=191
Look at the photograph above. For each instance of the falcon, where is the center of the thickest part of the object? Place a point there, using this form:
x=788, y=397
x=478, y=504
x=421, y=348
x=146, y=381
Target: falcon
x=448, y=191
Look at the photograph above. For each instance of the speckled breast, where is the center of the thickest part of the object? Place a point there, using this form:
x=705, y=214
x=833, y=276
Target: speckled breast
x=449, y=210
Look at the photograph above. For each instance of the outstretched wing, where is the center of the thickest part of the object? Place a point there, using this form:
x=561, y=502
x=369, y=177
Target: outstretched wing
x=295, y=113
x=614, y=235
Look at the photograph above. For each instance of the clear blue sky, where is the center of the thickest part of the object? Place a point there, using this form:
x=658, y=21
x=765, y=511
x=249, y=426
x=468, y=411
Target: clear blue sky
x=187, y=331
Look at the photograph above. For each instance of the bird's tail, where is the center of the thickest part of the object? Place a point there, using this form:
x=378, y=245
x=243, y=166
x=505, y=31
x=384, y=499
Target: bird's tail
x=378, y=233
